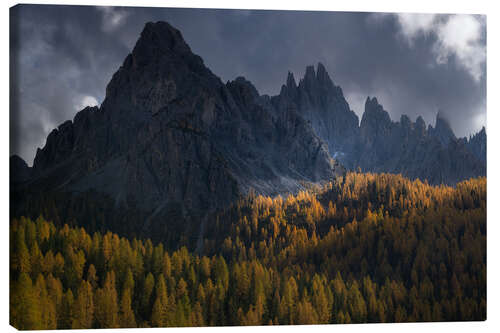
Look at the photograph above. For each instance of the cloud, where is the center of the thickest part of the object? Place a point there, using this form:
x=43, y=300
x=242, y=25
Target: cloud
x=85, y=101
x=460, y=36
x=413, y=25
x=455, y=36
x=112, y=17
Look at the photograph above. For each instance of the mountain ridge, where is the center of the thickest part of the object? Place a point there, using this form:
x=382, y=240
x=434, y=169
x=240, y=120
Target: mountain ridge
x=172, y=141
x=377, y=143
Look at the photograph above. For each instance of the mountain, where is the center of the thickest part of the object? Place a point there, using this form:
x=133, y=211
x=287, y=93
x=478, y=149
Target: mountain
x=170, y=140
x=477, y=145
x=19, y=170
x=442, y=130
x=378, y=144
x=171, y=143
x=435, y=154
x=323, y=105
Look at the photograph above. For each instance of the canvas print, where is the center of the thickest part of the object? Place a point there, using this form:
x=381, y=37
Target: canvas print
x=211, y=167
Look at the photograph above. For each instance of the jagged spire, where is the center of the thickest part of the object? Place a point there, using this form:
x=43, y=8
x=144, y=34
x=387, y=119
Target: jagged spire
x=310, y=73
x=291, y=87
x=321, y=73
x=420, y=125
x=290, y=81
x=442, y=129
x=405, y=121
x=371, y=104
x=375, y=117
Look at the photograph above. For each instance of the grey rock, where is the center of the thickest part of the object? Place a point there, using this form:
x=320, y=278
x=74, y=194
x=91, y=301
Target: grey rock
x=170, y=133
x=433, y=154
x=477, y=145
x=323, y=105
x=442, y=130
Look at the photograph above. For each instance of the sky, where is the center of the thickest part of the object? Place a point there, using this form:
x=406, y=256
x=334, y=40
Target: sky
x=62, y=58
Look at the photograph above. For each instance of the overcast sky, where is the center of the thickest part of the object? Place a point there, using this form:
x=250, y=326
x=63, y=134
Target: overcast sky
x=62, y=57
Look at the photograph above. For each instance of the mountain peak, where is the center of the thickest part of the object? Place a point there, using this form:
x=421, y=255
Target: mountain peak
x=290, y=89
x=317, y=83
x=375, y=119
x=161, y=32
x=310, y=76
x=322, y=74
x=372, y=105
x=420, y=126
x=405, y=121
x=442, y=119
x=160, y=69
x=442, y=130
x=290, y=81
x=159, y=39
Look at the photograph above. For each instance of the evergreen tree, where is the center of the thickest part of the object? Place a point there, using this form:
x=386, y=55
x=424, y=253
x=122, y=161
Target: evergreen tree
x=83, y=307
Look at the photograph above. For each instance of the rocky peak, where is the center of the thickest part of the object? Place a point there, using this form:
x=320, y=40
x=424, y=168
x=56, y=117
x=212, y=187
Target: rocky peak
x=477, y=144
x=322, y=104
x=442, y=122
x=375, y=119
x=291, y=86
x=322, y=75
x=289, y=91
x=442, y=130
x=317, y=83
x=310, y=75
x=243, y=90
x=160, y=69
x=420, y=126
x=159, y=37
x=290, y=81
x=405, y=122
x=372, y=105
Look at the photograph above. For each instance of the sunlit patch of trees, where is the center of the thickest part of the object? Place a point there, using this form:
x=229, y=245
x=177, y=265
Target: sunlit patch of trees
x=365, y=248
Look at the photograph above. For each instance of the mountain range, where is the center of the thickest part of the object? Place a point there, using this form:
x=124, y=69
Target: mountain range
x=378, y=144
x=171, y=143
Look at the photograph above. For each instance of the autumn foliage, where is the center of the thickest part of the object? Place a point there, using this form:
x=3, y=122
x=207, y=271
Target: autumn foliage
x=364, y=248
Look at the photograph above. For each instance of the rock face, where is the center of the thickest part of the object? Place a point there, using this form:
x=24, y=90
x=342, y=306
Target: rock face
x=323, y=105
x=170, y=136
x=477, y=145
x=442, y=130
x=435, y=155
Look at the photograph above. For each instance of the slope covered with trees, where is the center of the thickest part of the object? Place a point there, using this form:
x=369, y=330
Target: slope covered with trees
x=365, y=248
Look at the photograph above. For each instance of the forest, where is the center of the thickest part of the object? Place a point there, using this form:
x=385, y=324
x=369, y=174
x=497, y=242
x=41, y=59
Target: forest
x=364, y=248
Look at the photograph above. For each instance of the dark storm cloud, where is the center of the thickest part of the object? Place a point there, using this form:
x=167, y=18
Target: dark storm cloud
x=64, y=57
